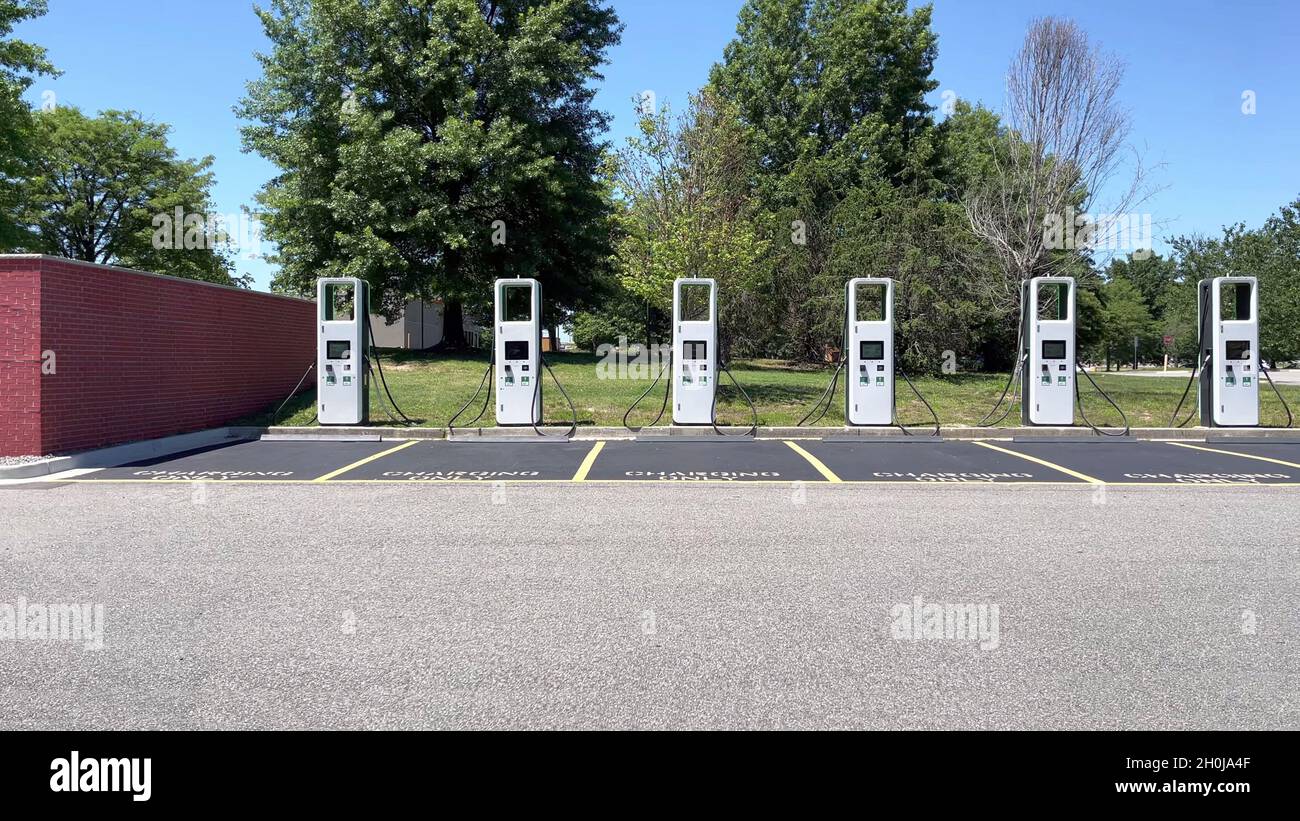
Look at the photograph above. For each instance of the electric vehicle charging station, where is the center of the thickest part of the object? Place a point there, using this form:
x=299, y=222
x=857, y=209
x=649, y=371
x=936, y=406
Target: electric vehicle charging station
x=695, y=351
x=1048, y=330
x=517, y=351
x=869, y=347
x=517, y=361
x=1228, y=390
x=695, y=364
x=342, y=343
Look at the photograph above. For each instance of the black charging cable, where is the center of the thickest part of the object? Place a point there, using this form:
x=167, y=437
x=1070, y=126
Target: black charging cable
x=713, y=410
x=535, y=409
x=1285, y=406
x=276, y=415
x=1079, y=400
x=662, y=408
x=924, y=401
x=379, y=365
x=451, y=423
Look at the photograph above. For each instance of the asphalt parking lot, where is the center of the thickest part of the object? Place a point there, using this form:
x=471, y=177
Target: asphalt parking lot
x=711, y=460
x=450, y=585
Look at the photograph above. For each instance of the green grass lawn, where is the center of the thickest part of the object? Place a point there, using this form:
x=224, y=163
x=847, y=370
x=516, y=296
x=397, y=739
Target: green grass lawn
x=430, y=388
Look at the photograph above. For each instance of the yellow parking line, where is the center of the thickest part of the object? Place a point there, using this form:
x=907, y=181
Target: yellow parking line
x=585, y=467
x=1234, y=453
x=815, y=462
x=364, y=461
x=1076, y=474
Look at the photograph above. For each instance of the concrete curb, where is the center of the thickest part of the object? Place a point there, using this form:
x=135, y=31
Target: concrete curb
x=129, y=452
x=779, y=432
x=284, y=433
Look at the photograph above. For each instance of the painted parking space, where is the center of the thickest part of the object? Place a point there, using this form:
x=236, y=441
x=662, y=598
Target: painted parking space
x=953, y=462
x=1285, y=454
x=703, y=460
x=249, y=461
x=441, y=461
x=938, y=462
x=1156, y=463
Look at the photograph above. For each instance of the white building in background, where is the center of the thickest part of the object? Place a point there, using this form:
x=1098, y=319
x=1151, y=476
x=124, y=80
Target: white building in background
x=418, y=327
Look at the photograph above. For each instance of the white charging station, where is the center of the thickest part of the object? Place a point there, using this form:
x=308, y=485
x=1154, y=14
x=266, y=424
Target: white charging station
x=695, y=350
x=518, y=351
x=869, y=348
x=342, y=391
x=1228, y=334
x=1049, y=333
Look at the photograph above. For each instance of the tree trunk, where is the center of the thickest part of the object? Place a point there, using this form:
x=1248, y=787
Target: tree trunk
x=453, y=325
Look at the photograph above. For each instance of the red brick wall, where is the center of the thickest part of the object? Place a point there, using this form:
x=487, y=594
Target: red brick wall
x=138, y=356
x=20, y=357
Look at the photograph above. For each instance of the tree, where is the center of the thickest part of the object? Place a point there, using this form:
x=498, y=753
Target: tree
x=431, y=146
x=922, y=243
x=19, y=63
x=1152, y=274
x=1063, y=145
x=1124, y=316
x=688, y=207
x=98, y=188
x=833, y=92
x=1271, y=254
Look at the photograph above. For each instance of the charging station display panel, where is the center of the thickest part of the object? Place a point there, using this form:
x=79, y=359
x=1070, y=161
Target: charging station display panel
x=695, y=350
x=1049, y=330
x=1229, y=320
x=342, y=395
x=517, y=354
x=869, y=398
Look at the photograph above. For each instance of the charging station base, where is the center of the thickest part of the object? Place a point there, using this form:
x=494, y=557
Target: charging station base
x=1247, y=439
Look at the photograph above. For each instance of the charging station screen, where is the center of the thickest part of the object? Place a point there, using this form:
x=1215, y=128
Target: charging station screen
x=517, y=349
x=338, y=349
x=695, y=349
x=518, y=305
x=1053, y=349
x=871, y=350
x=1238, y=349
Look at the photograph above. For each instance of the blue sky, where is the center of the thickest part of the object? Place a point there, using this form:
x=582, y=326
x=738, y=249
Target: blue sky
x=185, y=62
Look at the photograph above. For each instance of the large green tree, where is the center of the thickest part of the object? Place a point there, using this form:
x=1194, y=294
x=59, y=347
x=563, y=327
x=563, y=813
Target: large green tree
x=834, y=94
x=100, y=188
x=20, y=62
x=1271, y=253
x=1124, y=318
x=688, y=209
x=430, y=146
